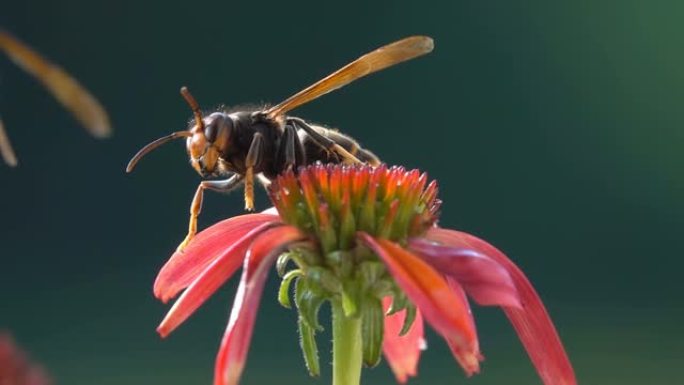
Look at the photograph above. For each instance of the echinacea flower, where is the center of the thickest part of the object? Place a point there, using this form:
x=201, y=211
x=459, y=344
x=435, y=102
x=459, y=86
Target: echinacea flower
x=365, y=240
x=15, y=367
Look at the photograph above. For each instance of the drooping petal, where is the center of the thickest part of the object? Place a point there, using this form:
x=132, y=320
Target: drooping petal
x=457, y=350
x=427, y=289
x=183, y=267
x=402, y=352
x=532, y=322
x=214, y=276
x=483, y=278
x=235, y=343
x=458, y=290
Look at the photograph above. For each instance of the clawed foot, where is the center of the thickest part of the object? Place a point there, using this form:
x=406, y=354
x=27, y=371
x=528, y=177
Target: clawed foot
x=185, y=242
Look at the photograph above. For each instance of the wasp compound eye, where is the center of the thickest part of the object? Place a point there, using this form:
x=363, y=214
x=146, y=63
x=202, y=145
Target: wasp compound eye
x=226, y=130
x=211, y=130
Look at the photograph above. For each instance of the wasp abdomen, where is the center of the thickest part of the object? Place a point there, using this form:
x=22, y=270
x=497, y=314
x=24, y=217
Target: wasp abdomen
x=314, y=152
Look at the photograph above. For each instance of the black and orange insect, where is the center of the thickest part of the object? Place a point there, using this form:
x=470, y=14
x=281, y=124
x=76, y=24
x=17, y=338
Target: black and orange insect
x=74, y=97
x=241, y=145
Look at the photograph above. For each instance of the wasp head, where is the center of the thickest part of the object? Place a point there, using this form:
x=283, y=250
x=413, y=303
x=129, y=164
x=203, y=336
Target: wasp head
x=207, y=141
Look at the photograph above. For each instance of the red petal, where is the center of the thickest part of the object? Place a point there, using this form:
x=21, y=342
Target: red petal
x=214, y=276
x=483, y=278
x=261, y=255
x=532, y=323
x=457, y=350
x=442, y=308
x=183, y=267
x=402, y=352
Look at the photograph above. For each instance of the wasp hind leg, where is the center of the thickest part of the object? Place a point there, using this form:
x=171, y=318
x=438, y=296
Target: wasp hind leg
x=367, y=156
x=223, y=186
x=324, y=142
x=291, y=152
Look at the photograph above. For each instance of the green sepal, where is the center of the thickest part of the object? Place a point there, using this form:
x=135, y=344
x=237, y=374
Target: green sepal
x=408, y=321
x=342, y=262
x=309, y=257
x=281, y=263
x=309, y=299
x=370, y=272
x=307, y=342
x=284, y=290
x=381, y=289
x=350, y=304
x=324, y=278
x=372, y=330
x=399, y=302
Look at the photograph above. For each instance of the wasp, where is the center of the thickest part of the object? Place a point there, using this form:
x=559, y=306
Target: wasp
x=240, y=146
x=73, y=96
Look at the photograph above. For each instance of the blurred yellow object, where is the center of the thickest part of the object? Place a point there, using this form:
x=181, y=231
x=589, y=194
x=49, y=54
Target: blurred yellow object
x=6, y=148
x=83, y=105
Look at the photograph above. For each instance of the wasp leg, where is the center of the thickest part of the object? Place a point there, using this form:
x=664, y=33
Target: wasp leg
x=324, y=142
x=263, y=180
x=223, y=186
x=253, y=159
x=367, y=157
x=291, y=151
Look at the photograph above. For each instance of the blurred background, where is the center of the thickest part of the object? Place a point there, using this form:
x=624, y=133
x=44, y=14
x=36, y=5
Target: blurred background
x=554, y=128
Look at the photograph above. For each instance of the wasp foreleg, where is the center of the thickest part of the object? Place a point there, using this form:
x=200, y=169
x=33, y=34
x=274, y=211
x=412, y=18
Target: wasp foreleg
x=223, y=186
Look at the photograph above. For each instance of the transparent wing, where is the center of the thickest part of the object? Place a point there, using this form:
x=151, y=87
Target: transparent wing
x=381, y=58
x=6, y=147
x=87, y=110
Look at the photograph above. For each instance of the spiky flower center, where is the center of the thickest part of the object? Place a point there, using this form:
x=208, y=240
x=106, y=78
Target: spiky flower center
x=332, y=203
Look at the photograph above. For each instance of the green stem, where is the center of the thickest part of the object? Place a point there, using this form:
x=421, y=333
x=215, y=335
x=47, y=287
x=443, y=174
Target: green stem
x=347, y=347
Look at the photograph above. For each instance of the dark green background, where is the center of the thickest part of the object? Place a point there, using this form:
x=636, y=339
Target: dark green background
x=554, y=128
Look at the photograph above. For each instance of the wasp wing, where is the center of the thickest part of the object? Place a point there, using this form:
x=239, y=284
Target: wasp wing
x=65, y=88
x=381, y=58
x=6, y=147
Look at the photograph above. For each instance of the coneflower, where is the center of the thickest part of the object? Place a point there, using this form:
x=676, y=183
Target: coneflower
x=366, y=241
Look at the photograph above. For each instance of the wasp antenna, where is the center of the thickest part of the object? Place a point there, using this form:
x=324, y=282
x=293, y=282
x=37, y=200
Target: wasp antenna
x=194, y=106
x=153, y=145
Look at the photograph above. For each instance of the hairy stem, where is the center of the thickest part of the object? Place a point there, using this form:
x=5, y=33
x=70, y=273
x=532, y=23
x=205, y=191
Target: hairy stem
x=347, y=347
